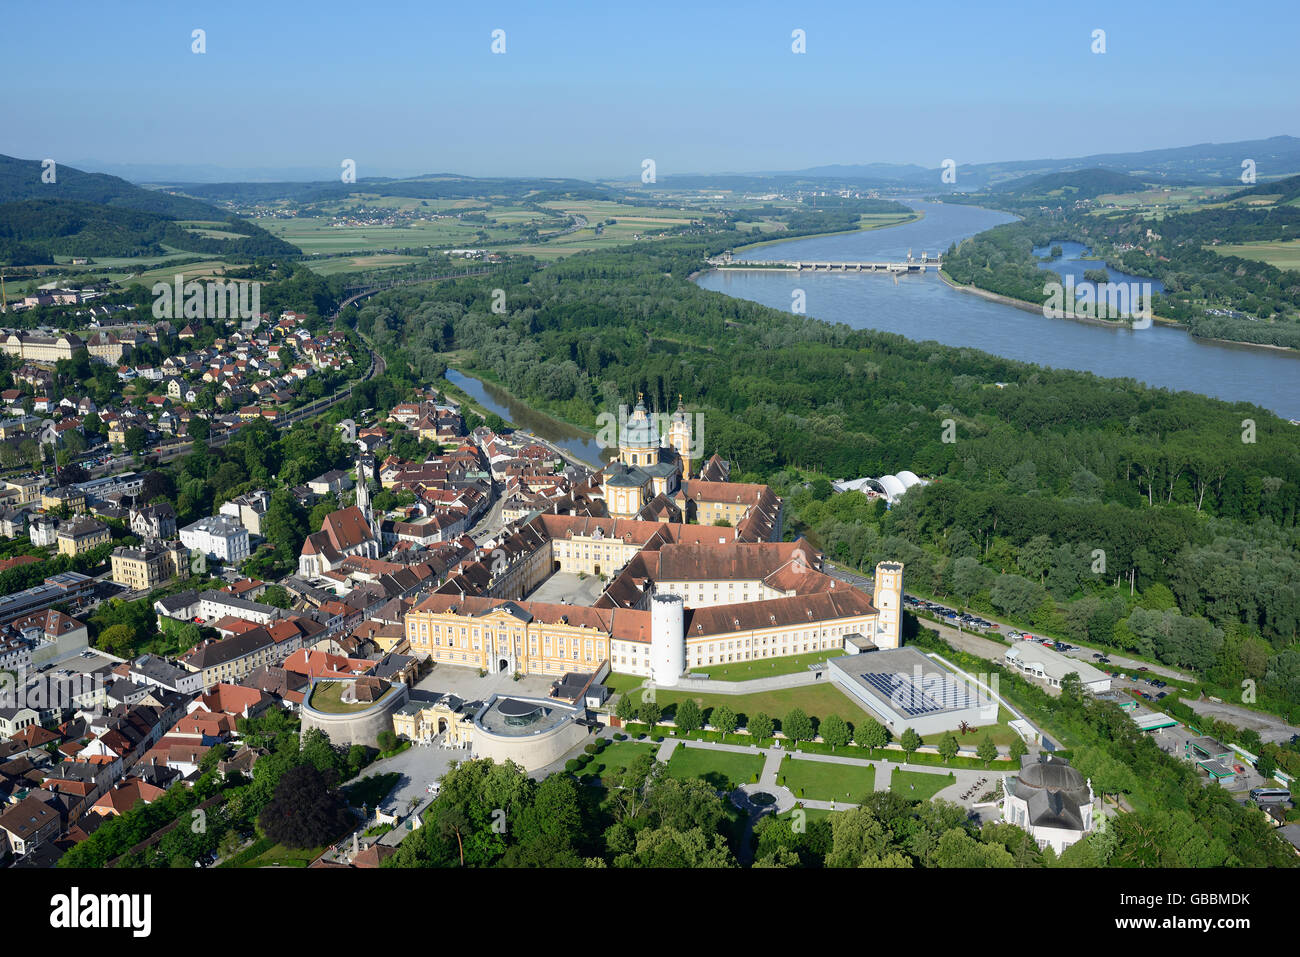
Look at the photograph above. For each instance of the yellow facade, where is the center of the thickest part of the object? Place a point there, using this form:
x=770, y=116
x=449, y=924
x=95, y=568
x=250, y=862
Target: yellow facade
x=499, y=641
x=74, y=545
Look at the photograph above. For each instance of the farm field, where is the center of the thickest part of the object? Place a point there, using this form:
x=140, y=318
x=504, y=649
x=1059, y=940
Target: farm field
x=317, y=235
x=329, y=267
x=199, y=270
x=1283, y=255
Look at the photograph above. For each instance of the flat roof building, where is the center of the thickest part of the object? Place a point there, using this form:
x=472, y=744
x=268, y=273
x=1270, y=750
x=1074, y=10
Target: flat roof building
x=1051, y=667
x=905, y=689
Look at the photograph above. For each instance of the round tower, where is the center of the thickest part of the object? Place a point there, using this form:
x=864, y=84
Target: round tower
x=667, y=639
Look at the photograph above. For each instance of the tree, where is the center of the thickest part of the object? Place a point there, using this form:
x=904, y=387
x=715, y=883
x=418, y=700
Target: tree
x=835, y=731
x=1018, y=749
x=797, y=726
x=626, y=707
x=870, y=734
x=948, y=747
x=987, y=750
x=1265, y=765
x=760, y=726
x=136, y=440
x=198, y=429
x=689, y=717
x=116, y=640
x=649, y=714
x=304, y=812
x=723, y=719
x=910, y=741
x=276, y=595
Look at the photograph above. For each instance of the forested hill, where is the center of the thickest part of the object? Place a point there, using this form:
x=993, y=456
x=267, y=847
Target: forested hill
x=35, y=231
x=1075, y=184
x=21, y=179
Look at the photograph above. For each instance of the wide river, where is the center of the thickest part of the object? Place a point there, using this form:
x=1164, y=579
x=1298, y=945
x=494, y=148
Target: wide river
x=924, y=307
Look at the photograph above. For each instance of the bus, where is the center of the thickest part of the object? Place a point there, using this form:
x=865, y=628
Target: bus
x=1269, y=795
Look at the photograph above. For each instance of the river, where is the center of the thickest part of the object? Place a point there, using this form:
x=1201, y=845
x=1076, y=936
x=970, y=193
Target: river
x=581, y=445
x=923, y=307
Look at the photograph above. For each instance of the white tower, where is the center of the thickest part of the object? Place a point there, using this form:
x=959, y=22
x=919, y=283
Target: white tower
x=667, y=639
x=888, y=599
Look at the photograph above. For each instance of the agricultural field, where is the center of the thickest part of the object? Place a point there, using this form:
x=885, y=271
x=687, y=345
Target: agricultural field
x=319, y=235
x=1283, y=255
x=329, y=267
x=208, y=229
x=206, y=269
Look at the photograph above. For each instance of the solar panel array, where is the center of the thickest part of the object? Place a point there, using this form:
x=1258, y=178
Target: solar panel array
x=912, y=697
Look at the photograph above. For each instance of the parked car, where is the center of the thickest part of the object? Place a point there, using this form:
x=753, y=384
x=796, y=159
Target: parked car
x=1161, y=695
x=1143, y=668
x=1104, y=660
x=1097, y=654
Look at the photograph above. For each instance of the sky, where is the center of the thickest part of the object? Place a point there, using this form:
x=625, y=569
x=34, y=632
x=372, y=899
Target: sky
x=589, y=90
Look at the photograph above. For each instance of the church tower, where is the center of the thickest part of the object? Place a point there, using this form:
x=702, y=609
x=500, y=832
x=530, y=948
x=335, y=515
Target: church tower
x=679, y=437
x=363, y=500
x=638, y=445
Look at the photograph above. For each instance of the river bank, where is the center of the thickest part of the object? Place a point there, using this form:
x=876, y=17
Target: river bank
x=1093, y=320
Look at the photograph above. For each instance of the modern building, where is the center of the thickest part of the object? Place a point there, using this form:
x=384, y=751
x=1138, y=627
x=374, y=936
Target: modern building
x=1051, y=667
x=905, y=689
x=219, y=537
x=1050, y=800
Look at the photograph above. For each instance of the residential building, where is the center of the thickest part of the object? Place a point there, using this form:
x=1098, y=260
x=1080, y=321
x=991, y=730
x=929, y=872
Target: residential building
x=219, y=537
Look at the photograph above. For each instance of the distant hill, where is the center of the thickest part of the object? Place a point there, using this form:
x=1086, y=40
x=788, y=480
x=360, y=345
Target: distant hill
x=35, y=231
x=20, y=179
x=1202, y=163
x=1075, y=184
x=1288, y=189
x=431, y=186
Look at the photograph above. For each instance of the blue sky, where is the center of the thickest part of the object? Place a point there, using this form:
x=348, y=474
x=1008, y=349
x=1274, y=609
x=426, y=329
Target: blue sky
x=590, y=89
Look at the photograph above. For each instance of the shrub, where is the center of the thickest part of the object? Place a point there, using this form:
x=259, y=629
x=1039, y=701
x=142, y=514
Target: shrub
x=572, y=765
x=591, y=749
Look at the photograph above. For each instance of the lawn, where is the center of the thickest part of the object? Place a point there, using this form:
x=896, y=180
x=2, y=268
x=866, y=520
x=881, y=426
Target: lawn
x=766, y=667
x=262, y=853
x=824, y=781
x=328, y=697
x=918, y=785
x=614, y=760
x=724, y=770
x=818, y=700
